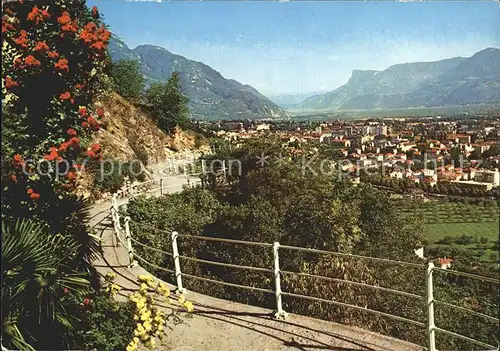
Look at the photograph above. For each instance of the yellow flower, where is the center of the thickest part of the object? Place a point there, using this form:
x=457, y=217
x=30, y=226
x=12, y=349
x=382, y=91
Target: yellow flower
x=131, y=347
x=145, y=316
x=140, y=304
x=151, y=343
x=110, y=276
x=189, y=306
x=181, y=299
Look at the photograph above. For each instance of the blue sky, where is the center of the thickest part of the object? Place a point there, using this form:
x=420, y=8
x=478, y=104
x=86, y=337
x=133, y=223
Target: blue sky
x=305, y=47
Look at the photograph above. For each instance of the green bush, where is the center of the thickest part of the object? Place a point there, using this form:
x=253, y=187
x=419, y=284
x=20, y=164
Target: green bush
x=110, y=175
x=36, y=272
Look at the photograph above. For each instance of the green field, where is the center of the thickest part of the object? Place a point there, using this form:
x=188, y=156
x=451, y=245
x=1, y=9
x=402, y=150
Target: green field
x=435, y=232
x=455, y=220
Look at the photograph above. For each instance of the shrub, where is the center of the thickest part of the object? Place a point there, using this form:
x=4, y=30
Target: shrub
x=36, y=277
x=54, y=62
x=107, y=324
x=464, y=240
x=447, y=240
x=110, y=175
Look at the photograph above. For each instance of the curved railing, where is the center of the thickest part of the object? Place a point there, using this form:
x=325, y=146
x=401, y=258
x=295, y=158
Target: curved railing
x=125, y=238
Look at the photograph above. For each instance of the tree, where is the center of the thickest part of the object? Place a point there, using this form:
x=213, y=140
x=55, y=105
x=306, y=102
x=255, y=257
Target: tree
x=127, y=78
x=168, y=103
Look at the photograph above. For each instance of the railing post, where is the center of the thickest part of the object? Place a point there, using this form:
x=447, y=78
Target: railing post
x=129, y=243
x=116, y=217
x=161, y=186
x=203, y=166
x=277, y=282
x=177, y=264
x=224, y=168
x=430, y=309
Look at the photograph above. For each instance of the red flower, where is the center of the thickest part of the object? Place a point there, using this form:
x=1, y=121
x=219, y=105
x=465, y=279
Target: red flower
x=71, y=132
x=95, y=12
x=29, y=191
x=6, y=26
x=36, y=15
x=53, y=54
x=71, y=176
x=41, y=46
x=18, y=62
x=79, y=86
x=17, y=158
x=68, y=187
x=31, y=61
x=91, y=154
x=45, y=14
x=92, y=122
x=18, y=161
x=98, y=45
x=78, y=167
x=35, y=196
x=66, y=290
x=53, y=154
x=95, y=147
x=72, y=101
x=62, y=65
x=9, y=83
x=85, y=124
x=63, y=147
x=65, y=96
x=22, y=40
x=82, y=111
x=64, y=18
x=13, y=177
x=74, y=141
x=86, y=301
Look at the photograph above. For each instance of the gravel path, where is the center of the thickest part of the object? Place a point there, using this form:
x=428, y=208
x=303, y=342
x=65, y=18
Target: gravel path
x=223, y=325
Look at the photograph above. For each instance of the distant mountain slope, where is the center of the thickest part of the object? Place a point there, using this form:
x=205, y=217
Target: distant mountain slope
x=455, y=81
x=211, y=96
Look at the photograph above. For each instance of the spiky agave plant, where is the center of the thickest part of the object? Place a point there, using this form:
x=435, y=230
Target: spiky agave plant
x=39, y=287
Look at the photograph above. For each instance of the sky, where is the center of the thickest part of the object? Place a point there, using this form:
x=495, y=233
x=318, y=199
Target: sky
x=303, y=48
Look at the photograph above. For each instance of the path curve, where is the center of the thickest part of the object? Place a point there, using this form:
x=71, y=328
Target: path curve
x=223, y=325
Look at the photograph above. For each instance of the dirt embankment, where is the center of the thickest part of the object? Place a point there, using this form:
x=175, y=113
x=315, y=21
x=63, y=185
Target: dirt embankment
x=129, y=133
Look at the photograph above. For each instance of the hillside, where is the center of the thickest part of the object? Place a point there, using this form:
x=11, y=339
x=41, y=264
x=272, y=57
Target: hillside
x=211, y=95
x=128, y=133
x=450, y=82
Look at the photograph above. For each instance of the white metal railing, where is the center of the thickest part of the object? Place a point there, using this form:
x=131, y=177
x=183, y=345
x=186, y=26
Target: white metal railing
x=125, y=238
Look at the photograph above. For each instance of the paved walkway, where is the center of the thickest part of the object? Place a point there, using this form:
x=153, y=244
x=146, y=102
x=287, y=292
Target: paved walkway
x=223, y=325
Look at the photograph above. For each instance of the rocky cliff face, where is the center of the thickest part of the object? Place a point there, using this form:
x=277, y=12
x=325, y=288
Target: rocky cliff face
x=455, y=81
x=128, y=133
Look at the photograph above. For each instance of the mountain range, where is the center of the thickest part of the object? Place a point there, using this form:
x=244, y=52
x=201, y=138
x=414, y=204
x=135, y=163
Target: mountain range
x=451, y=82
x=211, y=96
